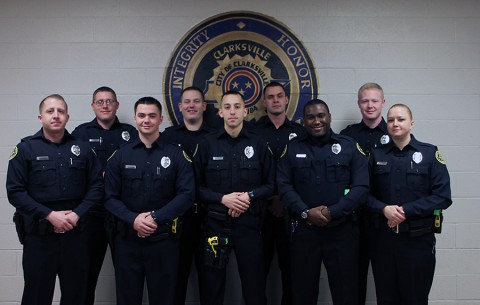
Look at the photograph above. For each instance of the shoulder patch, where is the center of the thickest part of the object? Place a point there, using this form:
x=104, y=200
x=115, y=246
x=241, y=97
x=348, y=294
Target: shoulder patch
x=14, y=153
x=284, y=151
x=439, y=157
x=186, y=156
x=360, y=149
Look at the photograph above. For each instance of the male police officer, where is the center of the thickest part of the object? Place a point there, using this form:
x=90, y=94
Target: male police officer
x=188, y=135
x=369, y=133
x=322, y=178
x=53, y=180
x=235, y=174
x=105, y=134
x=278, y=130
x=148, y=184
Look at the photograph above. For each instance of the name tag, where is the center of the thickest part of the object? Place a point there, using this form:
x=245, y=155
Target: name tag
x=130, y=166
x=382, y=163
x=42, y=158
x=217, y=158
x=301, y=155
x=93, y=140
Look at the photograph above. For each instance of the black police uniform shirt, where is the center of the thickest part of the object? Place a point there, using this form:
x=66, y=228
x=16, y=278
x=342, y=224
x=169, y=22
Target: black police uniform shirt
x=277, y=139
x=140, y=179
x=186, y=139
x=44, y=176
x=367, y=137
x=224, y=165
x=415, y=178
x=333, y=172
x=105, y=141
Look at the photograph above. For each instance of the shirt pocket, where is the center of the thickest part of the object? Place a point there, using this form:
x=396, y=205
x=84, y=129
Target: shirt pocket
x=217, y=173
x=132, y=182
x=417, y=178
x=338, y=169
x=43, y=173
x=250, y=172
x=302, y=170
x=77, y=172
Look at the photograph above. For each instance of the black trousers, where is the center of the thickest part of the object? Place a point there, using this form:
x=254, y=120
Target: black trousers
x=190, y=247
x=363, y=254
x=97, y=247
x=337, y=248
x=277, y=239
x=245, y=240
x=138, y=260
x=45, y=257
x=403, y=266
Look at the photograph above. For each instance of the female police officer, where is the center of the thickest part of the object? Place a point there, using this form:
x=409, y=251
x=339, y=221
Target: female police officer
x=409, y=186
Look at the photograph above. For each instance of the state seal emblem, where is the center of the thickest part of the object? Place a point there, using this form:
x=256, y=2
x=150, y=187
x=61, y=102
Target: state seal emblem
x=241, y=51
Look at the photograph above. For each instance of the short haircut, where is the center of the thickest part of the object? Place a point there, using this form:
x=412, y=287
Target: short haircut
x=315, y=101
x=233, y=92
x=193, y=88
x=273, y=84
x=148, y=100
x=56, y=96
x=104, y=89
x=369, y=86
x=404, y=106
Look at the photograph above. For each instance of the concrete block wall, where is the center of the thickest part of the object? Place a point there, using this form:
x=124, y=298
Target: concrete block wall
x=424, y=53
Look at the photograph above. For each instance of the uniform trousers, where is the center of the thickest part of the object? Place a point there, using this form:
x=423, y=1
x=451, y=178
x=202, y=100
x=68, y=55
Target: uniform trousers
x=97, y=242
x=190, y=247
x=403, y=266
x=363, y=254
x=244, y=234
x=276, y=239
x=337, y=248
x=45, y=257
x=138, y=260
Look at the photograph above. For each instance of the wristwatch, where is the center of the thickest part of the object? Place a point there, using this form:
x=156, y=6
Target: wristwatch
x=251, y=194
x=304, y=214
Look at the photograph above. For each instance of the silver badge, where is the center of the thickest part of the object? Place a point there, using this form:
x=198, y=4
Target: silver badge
x=292, y=135
x=249, y=152
x=336, y=148
x=126, y=135
x=385, y=139
x=165, y=162
x=417, y=157
x=75, y=150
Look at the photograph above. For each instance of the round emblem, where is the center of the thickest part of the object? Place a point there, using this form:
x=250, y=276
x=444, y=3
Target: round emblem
x=385, y=139
x=241, y=51
x=165, y=162
x=336, y=148
x=249, y=152
x=75, y=149
x=126, y=135
x=417, y=157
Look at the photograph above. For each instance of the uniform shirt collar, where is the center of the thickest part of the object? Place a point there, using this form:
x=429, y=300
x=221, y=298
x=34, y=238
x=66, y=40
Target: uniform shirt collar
x=94, y=123
x=39, y=135
x=382, y=126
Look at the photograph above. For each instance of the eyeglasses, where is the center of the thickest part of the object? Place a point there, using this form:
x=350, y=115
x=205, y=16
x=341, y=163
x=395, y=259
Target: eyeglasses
x=102, y=102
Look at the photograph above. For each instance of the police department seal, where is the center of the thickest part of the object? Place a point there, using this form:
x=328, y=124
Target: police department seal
x=241, y=51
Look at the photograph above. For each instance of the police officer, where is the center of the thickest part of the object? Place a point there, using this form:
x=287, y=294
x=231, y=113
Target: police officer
x=410, y=185
x=235, y=174
x=53, y=180
x=369, y=133
x=187, y=136
x=322, y=178
x=277, y=130
x=105, y=134
x=148, y=184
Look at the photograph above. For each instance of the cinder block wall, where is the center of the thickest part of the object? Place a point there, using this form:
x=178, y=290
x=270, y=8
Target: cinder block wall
x=424, y=53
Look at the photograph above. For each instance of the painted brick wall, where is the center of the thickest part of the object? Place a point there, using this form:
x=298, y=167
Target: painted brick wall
x=424, y=53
